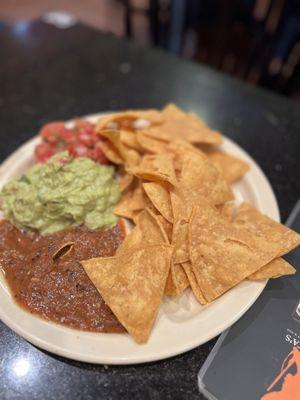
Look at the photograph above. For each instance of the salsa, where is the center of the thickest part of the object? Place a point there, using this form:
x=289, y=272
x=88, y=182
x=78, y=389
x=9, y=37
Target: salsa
x=57, y=288
x=80, y=141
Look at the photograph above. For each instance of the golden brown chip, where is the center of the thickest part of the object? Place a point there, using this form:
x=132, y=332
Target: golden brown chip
x=178, y=148
x=125, y=119
x=268, y=236
x=177, y=281
x=167, y=226
x=224, y=253
x=63, y=250
x=181, y=208
x=187, y=266
x=170, y=288
x=158, y=167
x=149, y=144
x=132, y=285
x=274, y=269
x=122, y=208
x=220, y=254
x=126, y=154
x=132, y=241
x=132, y=200
x=180, y=241
x=182, y=213
x=180, y=125
x=132, y=157
x=125, y=181
x=179, y=278
x=111, y=152
x=227, y=210
x=232, y=168
x=129, y=139
x=158, y=193
x=148, y=231
x=113, y=136
x=200, y=178
x=138, y=200
x=150, y=225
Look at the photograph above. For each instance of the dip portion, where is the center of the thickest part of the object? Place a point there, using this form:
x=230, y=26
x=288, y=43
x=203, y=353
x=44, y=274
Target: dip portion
x=61, y=194
x=57, y=288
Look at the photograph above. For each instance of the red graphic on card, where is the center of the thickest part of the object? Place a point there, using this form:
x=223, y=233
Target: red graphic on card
x=286, y=385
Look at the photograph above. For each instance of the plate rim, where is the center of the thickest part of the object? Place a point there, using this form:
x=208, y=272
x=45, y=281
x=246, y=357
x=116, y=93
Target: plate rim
x=140, y=359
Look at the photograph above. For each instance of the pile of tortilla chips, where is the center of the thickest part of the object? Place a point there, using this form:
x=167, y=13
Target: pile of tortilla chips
x=175, y=185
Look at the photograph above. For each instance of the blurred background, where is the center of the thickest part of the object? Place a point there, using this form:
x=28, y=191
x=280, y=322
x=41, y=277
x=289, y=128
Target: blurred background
x=257, y=41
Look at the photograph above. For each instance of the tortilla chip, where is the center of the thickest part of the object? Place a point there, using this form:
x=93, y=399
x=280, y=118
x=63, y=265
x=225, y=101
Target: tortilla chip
x=159, y=195
x=122, y=208
x=178, y=148
x=187, y=266
x=180, y=242
x=132, y=157
x=132, y=241
x=274, y=269
x=125, y=181
x=125, y=119
x=177, y=281
x=268, y=236
x=129, y=139
x=148, y=231
x=150, y=225
x=227, y=210
x=126, y=154
x=167, y=226
x=63, y=250
x=200, y=178
x=180, y=125
x=170, y=288
x=219, y=253
x=138, y=200
x=224, y=253
x=156, y=168
x=232, y=168
x=113, y=136
x=132, y=285
x=182, y=213
x=132, y=200
x=111, y=152
x=149, y=144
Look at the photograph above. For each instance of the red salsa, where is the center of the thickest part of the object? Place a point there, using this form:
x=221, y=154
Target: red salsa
x=58, y=289
x=80, y=141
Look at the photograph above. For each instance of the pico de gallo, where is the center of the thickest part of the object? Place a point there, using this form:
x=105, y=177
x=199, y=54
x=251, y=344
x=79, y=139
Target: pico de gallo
x=80, y=141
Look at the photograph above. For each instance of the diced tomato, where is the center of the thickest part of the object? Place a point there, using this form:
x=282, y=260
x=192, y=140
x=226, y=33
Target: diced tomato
x=84, y=126
x=85, y=139
x=43, y=152
x=67, y=135
x=98, y=155
x=79, y=141
x=51, y=131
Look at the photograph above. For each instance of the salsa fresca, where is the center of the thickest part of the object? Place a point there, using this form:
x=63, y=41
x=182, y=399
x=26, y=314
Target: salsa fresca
x=57, y=287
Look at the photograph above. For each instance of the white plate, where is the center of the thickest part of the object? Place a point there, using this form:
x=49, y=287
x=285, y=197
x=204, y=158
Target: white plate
x=182, y=324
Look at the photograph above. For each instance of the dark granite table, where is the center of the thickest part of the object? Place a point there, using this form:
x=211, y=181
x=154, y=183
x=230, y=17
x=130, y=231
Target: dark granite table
x=47, y=74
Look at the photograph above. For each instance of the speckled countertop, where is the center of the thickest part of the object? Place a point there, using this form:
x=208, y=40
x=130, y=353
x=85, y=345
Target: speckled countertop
x=47, y=74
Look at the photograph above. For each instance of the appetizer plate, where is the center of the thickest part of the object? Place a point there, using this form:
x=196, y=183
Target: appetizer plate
x=182, y=323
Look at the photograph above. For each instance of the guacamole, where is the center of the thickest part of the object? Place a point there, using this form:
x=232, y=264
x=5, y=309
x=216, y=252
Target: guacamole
x=61, y=194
